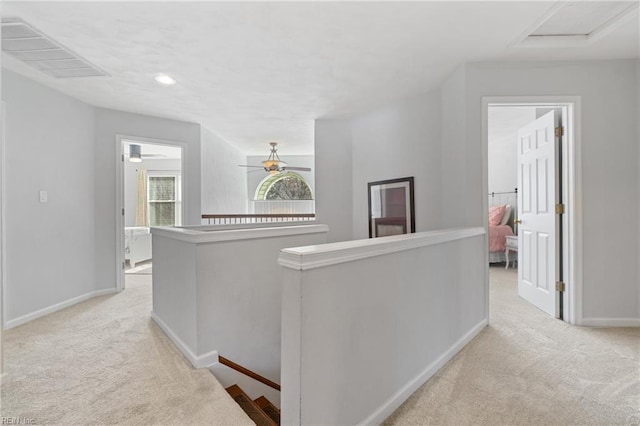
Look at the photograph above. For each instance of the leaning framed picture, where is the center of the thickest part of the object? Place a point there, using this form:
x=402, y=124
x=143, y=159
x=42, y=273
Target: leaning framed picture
x=391, y=207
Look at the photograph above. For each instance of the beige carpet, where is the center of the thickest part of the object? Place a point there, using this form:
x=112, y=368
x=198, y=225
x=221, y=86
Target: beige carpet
x=529, y=369
x=145, y=268
x=105, y=361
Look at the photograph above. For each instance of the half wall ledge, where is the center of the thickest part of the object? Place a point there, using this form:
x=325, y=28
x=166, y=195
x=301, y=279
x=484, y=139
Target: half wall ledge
x=310, y=257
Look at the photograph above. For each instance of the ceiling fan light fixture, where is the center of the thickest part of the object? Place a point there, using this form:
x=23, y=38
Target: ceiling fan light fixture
x=135, y=155
x=274, y=165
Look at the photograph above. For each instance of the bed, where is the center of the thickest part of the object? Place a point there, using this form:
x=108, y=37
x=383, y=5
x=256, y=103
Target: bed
x=137, y=244
x=500, y=224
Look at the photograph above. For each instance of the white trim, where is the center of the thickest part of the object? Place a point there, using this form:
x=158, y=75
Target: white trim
x=198, y=361
x=611, y=322
x=572, y=229
x=57, y=307
x=310, y=257
x=385, y=410
x=119, y=204
x=213, y=234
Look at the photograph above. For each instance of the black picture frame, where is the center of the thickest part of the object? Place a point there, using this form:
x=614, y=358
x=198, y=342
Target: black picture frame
x=391, y=207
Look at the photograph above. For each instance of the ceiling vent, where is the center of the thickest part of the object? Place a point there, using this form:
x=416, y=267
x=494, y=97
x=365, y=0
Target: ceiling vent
x=577, y=23
x=24, y=42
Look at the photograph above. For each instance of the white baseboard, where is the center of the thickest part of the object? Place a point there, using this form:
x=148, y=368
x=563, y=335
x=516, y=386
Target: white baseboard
x=198, y=361
x=57, y=307
x=401, y=396
x=611, y=322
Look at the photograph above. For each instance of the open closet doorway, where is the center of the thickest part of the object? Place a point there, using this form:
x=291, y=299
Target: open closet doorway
x=531, y=161
x=151, y=194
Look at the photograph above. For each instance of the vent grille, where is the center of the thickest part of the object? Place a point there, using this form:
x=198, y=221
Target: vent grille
x=24, y=42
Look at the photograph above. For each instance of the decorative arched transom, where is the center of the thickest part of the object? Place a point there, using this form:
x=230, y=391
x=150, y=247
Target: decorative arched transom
x=284, y=186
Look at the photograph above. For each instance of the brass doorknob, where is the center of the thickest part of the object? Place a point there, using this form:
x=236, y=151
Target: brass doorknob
x=517, y=221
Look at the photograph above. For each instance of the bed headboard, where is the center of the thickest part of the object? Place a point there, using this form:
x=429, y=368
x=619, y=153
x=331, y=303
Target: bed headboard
x=506, y=197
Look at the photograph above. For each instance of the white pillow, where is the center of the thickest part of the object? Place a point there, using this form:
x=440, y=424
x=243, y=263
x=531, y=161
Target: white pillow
x=507, y=215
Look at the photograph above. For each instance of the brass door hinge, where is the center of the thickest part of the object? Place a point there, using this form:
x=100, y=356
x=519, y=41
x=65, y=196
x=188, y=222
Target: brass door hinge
x=559, y=208
x=559, y=131
x=560, y=286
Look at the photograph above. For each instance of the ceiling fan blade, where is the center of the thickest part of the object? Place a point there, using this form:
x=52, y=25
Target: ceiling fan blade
x=246, y=165
x=302, y=169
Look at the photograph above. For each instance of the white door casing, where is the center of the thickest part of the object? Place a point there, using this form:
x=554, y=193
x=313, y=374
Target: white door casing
x=537, y=171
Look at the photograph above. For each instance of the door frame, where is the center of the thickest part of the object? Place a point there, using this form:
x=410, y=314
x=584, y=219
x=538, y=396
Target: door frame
x=571, y=182
x=119, y=159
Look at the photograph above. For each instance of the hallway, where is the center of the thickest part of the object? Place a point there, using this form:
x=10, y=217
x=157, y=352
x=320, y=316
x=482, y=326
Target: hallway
x=528, y=368
x=104, y=361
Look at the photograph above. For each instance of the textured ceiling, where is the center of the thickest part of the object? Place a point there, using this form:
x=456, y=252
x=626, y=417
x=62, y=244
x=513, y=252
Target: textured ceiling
x=256, y=72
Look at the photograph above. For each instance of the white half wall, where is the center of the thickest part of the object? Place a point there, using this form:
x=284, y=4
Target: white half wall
x=224, y=184
x=109, y=124
x=609, y=147
x=49, y=147
x=367, y=322
x=398, y=140
x=333, y=173
x=218, y=290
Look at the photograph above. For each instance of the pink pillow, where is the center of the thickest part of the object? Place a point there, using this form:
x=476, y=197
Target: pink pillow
x=495, y=214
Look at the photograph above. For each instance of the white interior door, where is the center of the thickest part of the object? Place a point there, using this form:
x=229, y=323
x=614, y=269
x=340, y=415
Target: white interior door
x=536, y=206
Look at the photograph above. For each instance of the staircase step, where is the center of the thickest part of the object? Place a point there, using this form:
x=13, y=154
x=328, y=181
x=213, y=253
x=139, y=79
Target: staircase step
x=254, y=412
x=270, y=409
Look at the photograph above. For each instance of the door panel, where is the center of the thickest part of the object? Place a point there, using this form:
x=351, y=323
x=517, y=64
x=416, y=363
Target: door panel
x=537, y=231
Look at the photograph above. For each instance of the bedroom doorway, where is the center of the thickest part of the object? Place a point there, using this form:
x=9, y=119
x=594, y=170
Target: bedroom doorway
x=531, y=188
x=151, y=194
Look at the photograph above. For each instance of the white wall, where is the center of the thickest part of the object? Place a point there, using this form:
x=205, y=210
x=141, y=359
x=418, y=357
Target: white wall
x=333, y=178
x=463, y=192
x=2, y=215
x=213, y=303
x=257, y=175
x=50, y=246
x=109, y=124
x=131, y=182
x=365, y=323
x=224, y=184
x=638, y=144
x=609, y=146
x=504, y=123
x=398, y=140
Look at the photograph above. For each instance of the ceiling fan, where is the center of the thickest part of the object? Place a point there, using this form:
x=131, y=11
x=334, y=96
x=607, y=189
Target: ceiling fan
x=136, y=156
x=274, y=164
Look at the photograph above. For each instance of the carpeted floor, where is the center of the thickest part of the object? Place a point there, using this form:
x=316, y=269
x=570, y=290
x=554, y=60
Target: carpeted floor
x=144, y=268
x=529, y=369
x=105, y=361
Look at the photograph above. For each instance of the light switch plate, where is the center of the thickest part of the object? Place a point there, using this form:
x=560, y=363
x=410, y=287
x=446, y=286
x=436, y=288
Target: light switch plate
x=44, y=196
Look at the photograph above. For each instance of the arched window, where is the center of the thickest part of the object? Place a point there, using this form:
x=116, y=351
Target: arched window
x=284, y=186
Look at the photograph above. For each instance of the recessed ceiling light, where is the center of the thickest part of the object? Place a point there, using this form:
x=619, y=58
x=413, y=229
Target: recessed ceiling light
x=167, y=80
